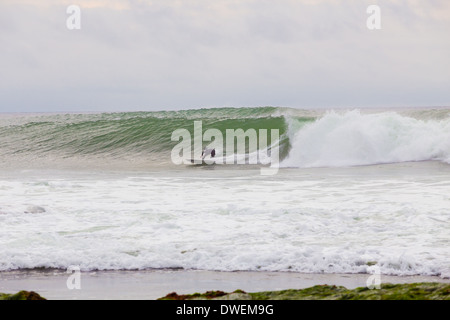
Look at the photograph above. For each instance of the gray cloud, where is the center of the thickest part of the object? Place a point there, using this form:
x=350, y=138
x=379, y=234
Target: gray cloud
x=152, y=55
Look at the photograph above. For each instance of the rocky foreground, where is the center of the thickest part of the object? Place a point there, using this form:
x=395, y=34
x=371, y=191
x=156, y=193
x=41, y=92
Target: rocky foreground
x=412, y=291
x=22, y=295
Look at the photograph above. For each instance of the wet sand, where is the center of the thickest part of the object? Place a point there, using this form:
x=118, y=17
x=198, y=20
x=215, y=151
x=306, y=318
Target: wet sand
x=150, y=285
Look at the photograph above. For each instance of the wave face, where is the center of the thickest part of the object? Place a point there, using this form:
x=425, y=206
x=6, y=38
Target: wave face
x=308, y=138
x=353, y=138
x=126, y=137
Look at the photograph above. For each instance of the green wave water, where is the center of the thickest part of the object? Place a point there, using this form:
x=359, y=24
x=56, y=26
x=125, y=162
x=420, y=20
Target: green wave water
x=125, y=136
x=308, y=138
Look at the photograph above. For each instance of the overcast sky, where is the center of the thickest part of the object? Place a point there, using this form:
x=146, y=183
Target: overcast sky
x=167, y=54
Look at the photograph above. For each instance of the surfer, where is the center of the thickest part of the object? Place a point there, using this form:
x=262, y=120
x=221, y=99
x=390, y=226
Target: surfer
x=208, y=152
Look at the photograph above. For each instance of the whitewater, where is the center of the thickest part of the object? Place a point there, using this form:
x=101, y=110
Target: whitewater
x=357, y=189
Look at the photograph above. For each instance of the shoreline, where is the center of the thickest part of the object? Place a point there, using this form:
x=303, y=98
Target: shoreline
x=154, y=284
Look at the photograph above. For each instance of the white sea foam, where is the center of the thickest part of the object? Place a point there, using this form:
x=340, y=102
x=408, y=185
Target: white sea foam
x=353, y=138
x=308, y=220
x=331, y=219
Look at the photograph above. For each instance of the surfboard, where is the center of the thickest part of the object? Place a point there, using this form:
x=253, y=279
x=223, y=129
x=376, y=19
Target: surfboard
x=195, y=162
x=199, y=161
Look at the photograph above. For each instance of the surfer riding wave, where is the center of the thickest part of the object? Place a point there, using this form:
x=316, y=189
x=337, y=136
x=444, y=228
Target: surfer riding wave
x=207, y=152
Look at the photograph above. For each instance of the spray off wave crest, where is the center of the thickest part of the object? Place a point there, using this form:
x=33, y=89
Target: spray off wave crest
x=353, y=139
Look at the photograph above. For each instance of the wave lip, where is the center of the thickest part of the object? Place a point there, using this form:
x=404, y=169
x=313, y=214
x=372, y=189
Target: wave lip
x=353, y=138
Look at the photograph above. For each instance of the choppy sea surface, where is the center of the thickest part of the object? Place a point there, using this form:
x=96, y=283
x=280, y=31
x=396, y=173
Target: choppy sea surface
x=356, y=189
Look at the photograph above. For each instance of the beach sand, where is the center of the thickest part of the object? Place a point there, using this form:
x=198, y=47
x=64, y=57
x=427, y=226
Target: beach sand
x=153, y=284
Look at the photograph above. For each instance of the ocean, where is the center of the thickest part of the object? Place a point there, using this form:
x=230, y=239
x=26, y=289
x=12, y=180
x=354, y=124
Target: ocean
x=354, y=190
